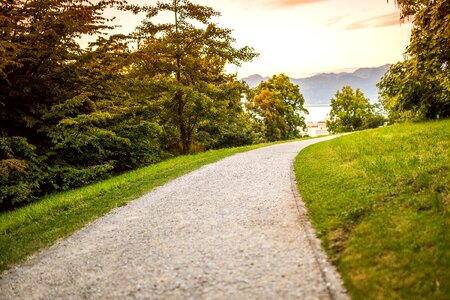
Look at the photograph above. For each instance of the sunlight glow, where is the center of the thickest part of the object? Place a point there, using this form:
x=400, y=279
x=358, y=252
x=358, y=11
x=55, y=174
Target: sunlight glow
x=300, y=38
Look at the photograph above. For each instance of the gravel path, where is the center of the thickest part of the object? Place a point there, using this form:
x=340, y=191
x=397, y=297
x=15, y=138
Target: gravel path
x=231, y=230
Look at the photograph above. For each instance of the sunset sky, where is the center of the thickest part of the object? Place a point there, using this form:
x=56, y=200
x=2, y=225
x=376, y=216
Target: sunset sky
x=303, y=37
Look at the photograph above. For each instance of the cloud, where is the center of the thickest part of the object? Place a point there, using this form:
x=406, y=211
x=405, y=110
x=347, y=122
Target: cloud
x=334, y=20
x=375, y=22
x=291, y=3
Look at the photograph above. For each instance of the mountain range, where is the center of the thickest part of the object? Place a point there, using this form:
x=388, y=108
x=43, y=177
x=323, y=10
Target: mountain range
x=320, y=88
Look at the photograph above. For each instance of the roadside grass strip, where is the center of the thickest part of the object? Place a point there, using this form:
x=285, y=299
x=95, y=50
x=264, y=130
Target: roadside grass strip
x=29, y=229
x=379, y=200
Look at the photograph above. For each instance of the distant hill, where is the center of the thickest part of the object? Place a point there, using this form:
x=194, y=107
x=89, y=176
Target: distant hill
x=320, y=88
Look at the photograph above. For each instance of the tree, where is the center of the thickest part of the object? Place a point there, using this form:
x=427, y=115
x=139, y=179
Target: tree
x=228, y=125
x=41, y=70
x=419, y=87
x=70, y=115
x=351, y=111
x=375, y=116
x=186, y=57
x=38, y=50
x=278, y=104
x=103, y=129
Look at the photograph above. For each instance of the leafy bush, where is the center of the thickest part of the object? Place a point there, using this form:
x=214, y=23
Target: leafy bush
x=351, y=111
x=65, y=178
x=145, y=144
x=20, y=172
x=214, y=137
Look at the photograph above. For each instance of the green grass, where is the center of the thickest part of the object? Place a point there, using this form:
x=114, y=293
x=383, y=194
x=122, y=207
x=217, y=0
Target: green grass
x=379, y=200
x=37, y=226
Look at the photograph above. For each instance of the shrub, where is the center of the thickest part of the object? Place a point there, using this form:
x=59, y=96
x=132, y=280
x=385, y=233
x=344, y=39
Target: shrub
x=21, y=172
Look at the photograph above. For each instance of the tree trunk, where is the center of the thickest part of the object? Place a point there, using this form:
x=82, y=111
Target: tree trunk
x=184, y=134
x=184, y=130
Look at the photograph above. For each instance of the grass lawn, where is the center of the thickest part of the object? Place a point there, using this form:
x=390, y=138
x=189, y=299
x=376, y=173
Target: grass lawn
x=379, y=200
x=34, y=227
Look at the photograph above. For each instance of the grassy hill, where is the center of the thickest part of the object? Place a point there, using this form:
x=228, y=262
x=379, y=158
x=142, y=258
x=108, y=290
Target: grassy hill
x=379, y=200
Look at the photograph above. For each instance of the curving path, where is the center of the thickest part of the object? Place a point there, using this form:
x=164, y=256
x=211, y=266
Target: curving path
x=231, y=230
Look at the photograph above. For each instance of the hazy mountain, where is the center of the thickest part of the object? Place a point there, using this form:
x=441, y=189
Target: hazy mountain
x=320, y=88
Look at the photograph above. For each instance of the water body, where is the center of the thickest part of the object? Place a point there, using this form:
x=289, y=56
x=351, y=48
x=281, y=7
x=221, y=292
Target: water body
x=317, y=112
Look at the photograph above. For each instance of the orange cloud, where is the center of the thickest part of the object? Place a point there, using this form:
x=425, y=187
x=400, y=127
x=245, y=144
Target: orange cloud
x=379, y=21
x=290, y=3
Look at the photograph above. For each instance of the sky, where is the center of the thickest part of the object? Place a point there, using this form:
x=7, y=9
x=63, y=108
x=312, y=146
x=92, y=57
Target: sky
x=305, y=37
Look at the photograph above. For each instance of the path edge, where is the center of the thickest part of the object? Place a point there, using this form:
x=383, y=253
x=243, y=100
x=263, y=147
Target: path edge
x=328, y=271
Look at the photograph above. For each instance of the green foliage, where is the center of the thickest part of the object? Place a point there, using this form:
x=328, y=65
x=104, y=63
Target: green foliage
x=71, y=116
x=232, y=133
x=226, y=125
x=52, y=95
x=384, y=215
x=38, y=54
x=375, y=116
x=20, y=172
x=144, y=143
x=419, y=87
x=191, y=54
x=277, y=105
x=351, y=111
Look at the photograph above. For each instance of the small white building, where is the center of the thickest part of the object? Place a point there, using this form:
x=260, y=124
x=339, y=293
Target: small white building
x=317, y=128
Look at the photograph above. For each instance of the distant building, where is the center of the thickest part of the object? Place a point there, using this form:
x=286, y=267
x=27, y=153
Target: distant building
x=317, y=128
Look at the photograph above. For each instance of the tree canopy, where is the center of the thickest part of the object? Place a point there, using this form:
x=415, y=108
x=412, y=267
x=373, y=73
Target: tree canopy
x=71, y=115
x=419, y=87
x=53, y=125
x=351, y=111
x=277, y=105
x=192, y=58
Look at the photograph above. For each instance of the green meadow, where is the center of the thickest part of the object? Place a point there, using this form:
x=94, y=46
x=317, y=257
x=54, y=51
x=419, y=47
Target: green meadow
x=379, y=200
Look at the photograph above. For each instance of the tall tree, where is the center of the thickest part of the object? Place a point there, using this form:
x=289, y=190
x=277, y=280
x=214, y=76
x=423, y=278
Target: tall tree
x=38, y=49
x=102, y=128
x=419, y=87
x=278, y=105
x=186, y=57
x=43, y=80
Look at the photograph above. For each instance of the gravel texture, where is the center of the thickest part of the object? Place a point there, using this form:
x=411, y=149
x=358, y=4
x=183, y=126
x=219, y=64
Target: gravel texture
x=235, y=229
